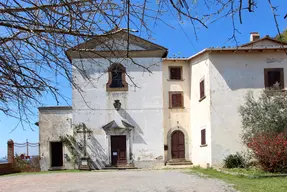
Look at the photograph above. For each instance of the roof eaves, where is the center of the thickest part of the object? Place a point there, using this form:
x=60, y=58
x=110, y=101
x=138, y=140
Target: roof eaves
x=175, y=59
x=199, y=53
x=55, y=108
x=248, y=48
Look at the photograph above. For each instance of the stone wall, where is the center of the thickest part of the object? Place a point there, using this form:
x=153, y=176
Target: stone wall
x=9, y=167
x=53, y=123
x=6, y=168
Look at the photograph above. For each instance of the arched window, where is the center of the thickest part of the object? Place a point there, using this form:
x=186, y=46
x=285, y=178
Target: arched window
x=117, y=78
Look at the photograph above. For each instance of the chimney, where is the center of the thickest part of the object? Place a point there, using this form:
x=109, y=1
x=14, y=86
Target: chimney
x=254, y=36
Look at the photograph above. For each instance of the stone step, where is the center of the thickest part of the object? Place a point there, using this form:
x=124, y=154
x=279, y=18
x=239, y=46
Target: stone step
x=178, y=166
x=179, y=163
x=119, y=168
x=57, y=168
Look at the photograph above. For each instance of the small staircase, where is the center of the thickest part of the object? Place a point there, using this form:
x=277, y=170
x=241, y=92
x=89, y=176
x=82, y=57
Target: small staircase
x=120, y=167
x=178, y=163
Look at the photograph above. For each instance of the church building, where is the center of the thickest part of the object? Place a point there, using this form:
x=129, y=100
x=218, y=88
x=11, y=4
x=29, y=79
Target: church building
x=134, y=107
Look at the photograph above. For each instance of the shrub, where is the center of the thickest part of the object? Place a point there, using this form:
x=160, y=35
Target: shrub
x=265, y=114
x=21, y=163
x=270, y=150
x=235, y=161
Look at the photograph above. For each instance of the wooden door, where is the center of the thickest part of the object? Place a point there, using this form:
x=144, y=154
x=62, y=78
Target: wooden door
x=56, y=154
x=177, y=145
x=118, y=150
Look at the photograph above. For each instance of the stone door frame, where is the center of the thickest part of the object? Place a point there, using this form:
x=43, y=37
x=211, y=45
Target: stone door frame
x=186, y=142
x=126, y=132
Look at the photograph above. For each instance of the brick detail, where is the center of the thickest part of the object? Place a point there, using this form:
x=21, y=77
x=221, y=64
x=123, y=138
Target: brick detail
x=10, y=152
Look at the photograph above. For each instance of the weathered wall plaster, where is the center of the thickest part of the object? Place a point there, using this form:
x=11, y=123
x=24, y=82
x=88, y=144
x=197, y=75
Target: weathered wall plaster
x=141, y=106
x=231, y=77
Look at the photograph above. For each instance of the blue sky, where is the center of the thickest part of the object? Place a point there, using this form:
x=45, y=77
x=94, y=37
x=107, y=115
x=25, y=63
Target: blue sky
x=181, y=41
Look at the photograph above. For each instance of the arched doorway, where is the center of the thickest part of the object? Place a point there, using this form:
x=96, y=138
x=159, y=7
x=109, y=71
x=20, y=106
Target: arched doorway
x=177, y=145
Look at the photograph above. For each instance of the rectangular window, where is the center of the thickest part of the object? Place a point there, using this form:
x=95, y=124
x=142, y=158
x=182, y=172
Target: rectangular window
x=175, y=73
x=203, y=137
x=176, y=100
x=273, y=76
x=201, y=90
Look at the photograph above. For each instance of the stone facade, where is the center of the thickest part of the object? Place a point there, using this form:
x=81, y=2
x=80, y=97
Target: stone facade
x=136, y=124
x=54, y=122
x=139, y=118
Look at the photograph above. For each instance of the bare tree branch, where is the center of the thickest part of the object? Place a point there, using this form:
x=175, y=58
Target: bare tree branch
x=36, y=34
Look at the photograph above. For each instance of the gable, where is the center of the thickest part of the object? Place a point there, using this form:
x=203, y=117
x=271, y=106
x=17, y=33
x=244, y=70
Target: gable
x=264, y=42
x=116, y=45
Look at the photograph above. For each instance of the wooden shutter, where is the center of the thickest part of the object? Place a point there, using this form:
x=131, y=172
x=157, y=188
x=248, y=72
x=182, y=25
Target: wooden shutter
x=175, y=73
x=201, y=89
x=176, y=100
x=203, y=137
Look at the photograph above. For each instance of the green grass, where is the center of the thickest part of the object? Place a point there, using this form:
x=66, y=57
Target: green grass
x=248, y=171
x=245, y=184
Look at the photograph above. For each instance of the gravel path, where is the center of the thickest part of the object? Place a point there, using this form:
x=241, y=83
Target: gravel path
x=113, y=181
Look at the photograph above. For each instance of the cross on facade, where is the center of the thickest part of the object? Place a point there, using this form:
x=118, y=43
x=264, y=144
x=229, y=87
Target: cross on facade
x=85, y=130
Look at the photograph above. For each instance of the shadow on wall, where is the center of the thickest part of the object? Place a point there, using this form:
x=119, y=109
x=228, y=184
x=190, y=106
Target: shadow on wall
x=88, y=70
x=97, y=153
x=137, y=130
x=241, y=73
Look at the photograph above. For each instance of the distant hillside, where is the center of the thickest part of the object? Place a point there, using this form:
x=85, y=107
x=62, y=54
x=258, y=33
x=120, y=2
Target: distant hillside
x=3, y=160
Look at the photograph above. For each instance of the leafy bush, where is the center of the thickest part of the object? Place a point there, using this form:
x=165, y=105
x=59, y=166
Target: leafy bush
x=267, y=114
x=21, y=163
x=271, y=151
x=235, y=161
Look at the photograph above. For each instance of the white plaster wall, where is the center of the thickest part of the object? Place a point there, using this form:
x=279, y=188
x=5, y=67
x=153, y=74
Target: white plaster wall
x=52, y=125
x=141, y=106
x=200, y=111
x=231, y=77
x=177, y=118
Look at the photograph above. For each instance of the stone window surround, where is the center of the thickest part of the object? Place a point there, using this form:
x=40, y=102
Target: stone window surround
x=125, y=84
x=170, y=99
x=186, y=140
x=128, y=133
